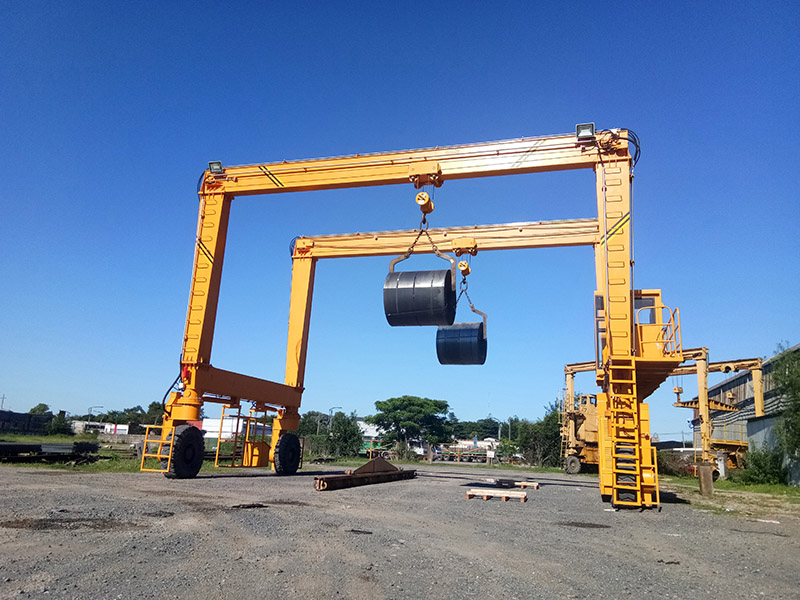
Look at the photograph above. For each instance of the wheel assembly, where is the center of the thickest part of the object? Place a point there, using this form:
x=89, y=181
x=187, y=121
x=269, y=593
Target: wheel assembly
x=287, y=454
x=572, y=465
x=188, y=449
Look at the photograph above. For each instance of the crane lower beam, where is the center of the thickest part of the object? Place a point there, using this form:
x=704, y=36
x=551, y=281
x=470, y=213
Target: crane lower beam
x=508, y=236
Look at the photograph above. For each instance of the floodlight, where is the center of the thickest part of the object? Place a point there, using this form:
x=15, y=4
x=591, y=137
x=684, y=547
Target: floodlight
x=584, y=132
x=215, y=166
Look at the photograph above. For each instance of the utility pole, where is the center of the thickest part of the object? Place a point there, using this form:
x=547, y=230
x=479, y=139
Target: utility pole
x=330, y=417
x=2, y=401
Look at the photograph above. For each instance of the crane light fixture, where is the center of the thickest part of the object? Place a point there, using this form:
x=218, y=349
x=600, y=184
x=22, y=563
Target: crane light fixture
x=584, y=132
x=215, y=167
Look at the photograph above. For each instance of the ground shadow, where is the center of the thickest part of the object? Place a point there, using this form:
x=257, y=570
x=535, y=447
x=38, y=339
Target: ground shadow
x=672, y=498
x=246, y=472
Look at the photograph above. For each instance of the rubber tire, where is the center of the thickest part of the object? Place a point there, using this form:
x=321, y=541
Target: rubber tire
x=287, y=454
x=188, y=450
x=572, y=465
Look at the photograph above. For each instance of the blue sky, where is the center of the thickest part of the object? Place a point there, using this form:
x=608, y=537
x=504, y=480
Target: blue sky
x=110, y=111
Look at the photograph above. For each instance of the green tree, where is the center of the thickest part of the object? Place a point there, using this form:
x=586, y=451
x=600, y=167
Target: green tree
x=786, y=377
x=411, y=417
x=763, y=465
x=345, y=436
x=311, y=423
x=154, y=413
x=59, y=425
x=539, y=441
x=40, y=409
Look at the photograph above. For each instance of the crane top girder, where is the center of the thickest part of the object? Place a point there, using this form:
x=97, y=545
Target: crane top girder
x=429, y=165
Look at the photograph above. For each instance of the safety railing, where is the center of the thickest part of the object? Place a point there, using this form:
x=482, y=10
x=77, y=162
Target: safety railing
x=730, y=434
x=249, y=446
x=661, y=339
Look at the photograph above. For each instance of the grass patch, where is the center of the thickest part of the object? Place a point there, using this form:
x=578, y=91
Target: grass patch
x=791, y=493
x=21, y=438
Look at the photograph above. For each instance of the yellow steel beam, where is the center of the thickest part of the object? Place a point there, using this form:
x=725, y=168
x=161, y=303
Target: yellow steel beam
x=211, y=380
x=581, y=367
x=538, y=234
x=505, y=157
x=712, y=404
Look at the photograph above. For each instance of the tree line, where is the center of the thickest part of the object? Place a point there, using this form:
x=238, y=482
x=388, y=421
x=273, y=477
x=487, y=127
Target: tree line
x=401, y=420
x=406, y=419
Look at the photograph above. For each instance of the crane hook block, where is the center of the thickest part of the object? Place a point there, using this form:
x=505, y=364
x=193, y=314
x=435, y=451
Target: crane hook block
x=419, y=298
x=425, y=203
x=461, y=344
x=463, y=266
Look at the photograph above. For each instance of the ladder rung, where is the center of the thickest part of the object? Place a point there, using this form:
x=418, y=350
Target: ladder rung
x=619, y=502
x=626, y=485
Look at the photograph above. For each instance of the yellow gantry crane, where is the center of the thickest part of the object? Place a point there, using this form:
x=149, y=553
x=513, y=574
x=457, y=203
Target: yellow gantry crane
x=637, y=337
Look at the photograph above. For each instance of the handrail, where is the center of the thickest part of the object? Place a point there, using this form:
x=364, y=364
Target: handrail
x=667, y=338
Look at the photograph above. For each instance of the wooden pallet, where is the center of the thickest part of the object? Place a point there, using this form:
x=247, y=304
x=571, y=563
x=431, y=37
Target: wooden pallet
x=504, y=495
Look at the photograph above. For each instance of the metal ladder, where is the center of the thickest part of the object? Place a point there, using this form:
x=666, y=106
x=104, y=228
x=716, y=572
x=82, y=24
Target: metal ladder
x=562, y=422
x=158, y=448
x=626, y=466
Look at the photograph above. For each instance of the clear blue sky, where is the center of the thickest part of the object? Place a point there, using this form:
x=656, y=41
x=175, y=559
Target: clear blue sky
x=109, y=111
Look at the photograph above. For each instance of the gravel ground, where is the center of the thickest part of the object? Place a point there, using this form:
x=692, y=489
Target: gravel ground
x=246, y=534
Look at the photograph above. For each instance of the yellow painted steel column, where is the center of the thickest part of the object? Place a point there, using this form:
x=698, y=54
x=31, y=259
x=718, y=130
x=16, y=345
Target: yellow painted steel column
x=613, y=257
x=758, y=391
x=212, y=229
x=702, y=398
x=303, y=270
x=201, y=315
x=570, y=390
x=299, y=320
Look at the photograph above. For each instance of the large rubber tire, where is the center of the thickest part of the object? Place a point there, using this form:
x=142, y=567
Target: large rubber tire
x=287, y=454
x=572, y=465
x=188, y=450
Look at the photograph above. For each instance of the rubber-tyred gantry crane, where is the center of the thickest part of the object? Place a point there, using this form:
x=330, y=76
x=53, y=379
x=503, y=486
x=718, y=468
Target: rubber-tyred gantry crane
x=637, y=337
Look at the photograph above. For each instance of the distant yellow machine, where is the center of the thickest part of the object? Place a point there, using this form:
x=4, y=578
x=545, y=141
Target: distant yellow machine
x=637, y=337
x=579, y=433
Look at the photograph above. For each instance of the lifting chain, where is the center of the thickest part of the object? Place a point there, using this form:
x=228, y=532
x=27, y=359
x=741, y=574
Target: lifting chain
x=426, y=206
x=462, y=291
x=465, y=269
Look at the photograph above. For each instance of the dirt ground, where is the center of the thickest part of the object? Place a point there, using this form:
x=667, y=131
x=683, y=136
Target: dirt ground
x=248, y=534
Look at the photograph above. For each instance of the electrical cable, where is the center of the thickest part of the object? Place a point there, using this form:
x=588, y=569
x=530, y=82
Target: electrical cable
x=164, y=399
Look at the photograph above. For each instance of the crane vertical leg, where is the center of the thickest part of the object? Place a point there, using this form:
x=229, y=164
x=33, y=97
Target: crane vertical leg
x=201, y=315
x=297, y=345
x=705, y=417
x=758, y=391
x=625, y=470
